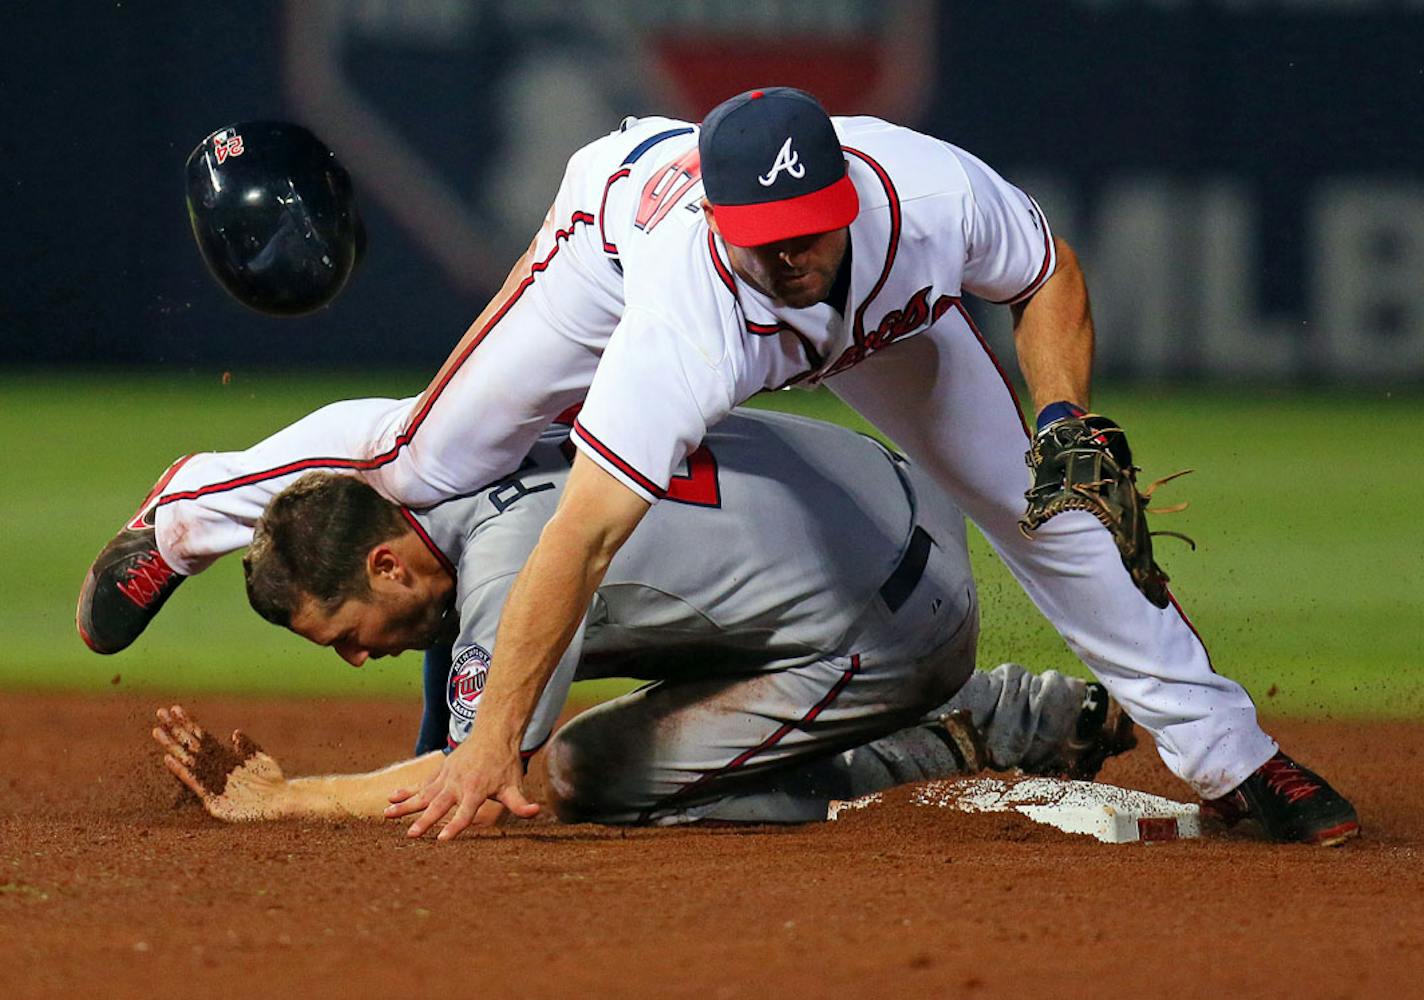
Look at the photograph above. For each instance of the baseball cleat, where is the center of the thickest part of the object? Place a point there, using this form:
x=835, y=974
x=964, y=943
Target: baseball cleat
x=126, y=585
x=1291, y=803
x=1103, y=730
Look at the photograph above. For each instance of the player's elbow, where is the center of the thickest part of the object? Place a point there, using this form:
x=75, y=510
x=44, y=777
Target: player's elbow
x=1067, y=259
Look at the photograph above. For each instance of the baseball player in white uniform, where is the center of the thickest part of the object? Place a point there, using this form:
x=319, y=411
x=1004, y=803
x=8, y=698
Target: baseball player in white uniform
x=803, y=621
x=682, y=269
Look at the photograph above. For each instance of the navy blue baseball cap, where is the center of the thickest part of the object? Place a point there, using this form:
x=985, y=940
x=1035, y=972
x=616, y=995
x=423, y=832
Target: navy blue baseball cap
x=772, y=168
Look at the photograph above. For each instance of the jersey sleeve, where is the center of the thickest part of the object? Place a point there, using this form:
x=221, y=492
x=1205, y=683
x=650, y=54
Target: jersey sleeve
x=1009, y=247
x=658, y=387
x=470, y=664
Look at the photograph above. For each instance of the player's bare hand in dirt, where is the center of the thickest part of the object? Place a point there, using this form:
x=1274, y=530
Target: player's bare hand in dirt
x=478, y=784
x=236, y=780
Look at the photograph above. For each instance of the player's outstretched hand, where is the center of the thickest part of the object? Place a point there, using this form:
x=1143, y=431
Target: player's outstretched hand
x=478, y=784
x=236, y=780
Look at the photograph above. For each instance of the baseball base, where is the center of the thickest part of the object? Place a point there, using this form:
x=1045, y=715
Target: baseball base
x=1111, y=814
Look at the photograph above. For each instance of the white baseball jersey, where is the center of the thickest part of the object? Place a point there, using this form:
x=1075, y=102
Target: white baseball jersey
x=625, y=302
x=776, y=536
x=693, y=339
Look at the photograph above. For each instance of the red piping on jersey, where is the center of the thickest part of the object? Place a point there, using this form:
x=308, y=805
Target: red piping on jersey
x=858, y=330
x=524, y=755
x=431, y=395
x=420, y=532
x=603, y=204
x=766, y=744
x=137, y=523
x=1043, y=271
x=1183, y=615
x=813, y=356
x=722, y=270
x=581, y=432
x=1018, y=407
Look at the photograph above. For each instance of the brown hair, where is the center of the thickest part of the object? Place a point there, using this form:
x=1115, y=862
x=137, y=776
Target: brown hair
x=312, y=542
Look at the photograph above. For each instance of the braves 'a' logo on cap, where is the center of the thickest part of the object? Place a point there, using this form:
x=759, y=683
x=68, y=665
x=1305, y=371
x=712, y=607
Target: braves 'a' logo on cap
x=786, y=159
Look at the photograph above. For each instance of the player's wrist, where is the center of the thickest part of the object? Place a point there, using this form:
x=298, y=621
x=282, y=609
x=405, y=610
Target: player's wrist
x=286, y=800
x=1056, y=411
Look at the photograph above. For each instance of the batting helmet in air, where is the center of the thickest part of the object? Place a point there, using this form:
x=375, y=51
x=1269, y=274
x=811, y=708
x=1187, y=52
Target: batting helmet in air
x=274, y=215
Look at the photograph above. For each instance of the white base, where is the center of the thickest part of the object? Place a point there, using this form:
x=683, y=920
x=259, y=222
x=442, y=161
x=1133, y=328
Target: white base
x=1111, y=814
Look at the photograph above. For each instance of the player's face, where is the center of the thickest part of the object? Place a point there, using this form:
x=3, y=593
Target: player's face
x=387, y=623
x=798, y=272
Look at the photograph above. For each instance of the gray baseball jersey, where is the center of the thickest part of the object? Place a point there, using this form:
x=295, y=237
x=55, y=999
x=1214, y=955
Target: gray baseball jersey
x=778, y=535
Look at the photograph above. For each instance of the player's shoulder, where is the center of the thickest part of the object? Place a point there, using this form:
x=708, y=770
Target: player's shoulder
x=637, y=143
x=524, y=499
x=907, y=162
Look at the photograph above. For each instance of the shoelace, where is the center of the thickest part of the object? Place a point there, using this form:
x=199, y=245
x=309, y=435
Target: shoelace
x=1286, y=779
x=146, y=578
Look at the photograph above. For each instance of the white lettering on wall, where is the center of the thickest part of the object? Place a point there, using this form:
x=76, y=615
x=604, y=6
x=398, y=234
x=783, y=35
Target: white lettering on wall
x=1368, y=258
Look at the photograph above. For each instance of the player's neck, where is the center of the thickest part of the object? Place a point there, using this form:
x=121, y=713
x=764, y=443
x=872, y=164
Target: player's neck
x=839, y=295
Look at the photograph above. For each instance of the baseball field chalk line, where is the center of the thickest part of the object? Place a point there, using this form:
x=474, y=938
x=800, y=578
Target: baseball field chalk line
x=1111, y=814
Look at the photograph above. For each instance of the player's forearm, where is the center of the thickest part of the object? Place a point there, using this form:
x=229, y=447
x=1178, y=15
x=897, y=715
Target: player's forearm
x=550, y=596
x=1053, y=334
x=359, y=796
x=545, y=606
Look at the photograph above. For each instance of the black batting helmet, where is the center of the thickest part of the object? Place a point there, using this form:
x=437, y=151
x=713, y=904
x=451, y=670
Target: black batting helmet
x=274, y=215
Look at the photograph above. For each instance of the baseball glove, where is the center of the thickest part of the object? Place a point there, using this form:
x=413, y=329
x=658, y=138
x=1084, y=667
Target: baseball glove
x=1084, y=463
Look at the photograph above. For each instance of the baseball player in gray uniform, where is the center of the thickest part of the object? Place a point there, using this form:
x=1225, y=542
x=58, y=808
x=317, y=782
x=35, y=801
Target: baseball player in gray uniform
x=806, y=613
x=682, y=268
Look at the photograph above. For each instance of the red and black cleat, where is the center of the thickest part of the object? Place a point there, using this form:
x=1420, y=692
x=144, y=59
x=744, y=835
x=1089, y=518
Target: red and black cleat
x=126, y=585
x=1293, y=805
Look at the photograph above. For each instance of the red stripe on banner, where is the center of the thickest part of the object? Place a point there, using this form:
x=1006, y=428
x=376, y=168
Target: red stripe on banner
x=643, y=481
x=858, y=330
x=420, y=532
x=771, y=741
x=452, y=366
x=1043, y=272
x=1009, y=385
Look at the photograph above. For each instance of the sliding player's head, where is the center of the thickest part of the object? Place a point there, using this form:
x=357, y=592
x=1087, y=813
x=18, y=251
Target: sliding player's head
x=341, y=566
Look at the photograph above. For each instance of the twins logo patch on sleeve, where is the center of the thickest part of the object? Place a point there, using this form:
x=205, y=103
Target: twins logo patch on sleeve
x=467, y=681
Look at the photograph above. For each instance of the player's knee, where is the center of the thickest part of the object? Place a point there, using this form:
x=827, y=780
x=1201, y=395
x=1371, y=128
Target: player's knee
x=561, y=759
x=582, y=782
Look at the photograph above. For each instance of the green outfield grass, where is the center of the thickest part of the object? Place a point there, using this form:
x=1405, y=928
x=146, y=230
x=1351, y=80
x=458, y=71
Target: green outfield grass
x=1308, y=583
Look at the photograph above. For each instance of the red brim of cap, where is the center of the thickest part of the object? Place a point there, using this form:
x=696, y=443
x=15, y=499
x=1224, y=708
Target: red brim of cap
x=833, y=207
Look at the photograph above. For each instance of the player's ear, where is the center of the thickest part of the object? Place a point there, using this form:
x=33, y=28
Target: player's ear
x=710, y=214
x=383, y=563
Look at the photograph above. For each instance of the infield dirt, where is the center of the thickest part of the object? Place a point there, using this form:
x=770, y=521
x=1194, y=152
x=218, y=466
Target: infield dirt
x=113, y=884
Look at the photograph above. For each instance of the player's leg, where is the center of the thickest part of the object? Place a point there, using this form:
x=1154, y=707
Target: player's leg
x=530, y=355
x=678, y=751
x=942, y=397
x=518, y=366
x=680, y=744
